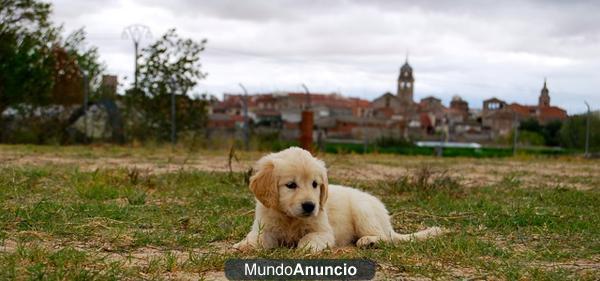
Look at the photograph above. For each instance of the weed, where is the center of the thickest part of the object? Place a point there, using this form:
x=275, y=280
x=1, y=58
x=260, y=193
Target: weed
x=136, y=197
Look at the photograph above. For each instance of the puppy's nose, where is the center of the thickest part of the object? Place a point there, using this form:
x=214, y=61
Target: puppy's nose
x=308, y=207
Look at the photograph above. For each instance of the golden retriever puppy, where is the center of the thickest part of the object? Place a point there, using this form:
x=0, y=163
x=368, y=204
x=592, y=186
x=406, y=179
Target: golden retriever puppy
x=297, y=207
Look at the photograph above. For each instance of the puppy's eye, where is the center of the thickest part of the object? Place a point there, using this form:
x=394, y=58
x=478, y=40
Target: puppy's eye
x=315, y=184
x=291, y=185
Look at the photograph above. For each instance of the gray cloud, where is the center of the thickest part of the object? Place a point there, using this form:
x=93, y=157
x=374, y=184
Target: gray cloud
x=477, y=49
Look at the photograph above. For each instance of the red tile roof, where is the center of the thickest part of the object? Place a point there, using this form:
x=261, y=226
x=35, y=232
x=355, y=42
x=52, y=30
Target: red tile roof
x=330, y=100
x=553, y=112
x=542, y=113
x=523, y=110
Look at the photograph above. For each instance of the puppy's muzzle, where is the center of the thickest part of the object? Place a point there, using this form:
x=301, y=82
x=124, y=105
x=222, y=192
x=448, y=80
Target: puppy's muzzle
x=308, y=208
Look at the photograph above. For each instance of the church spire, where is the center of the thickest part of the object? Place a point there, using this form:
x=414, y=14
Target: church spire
x=545, y=87
x=544, y=99
x=406, y=83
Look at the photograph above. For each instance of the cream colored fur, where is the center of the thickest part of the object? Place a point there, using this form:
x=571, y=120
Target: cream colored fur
x=342, y=215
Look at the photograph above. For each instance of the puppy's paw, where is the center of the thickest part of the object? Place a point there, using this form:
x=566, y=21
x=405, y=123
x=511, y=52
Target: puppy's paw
x=367, y=241
x=312, y=246
x=243, y=246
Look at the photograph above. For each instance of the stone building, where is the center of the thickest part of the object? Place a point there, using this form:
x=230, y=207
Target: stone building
x=418, y=119
x=544, y=112
x=497, y=117
x=281, y=111
x=459, y=108
x=500, y=118
x=406, y=85
x=400, y=106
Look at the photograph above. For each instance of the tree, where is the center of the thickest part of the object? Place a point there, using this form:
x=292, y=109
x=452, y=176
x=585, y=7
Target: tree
x=87, y=58
x=33, y=57
x=39, y=68
x=549, y=132
x=26, y=61
x=170, y=65
x=531, y=125
x=572, y=133
x=72, y=60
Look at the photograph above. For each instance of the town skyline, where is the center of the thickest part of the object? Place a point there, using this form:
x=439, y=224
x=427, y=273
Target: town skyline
x=461, y=49
x=396, y=114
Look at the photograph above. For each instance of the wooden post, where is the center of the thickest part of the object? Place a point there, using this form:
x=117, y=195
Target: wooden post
x=306, y=130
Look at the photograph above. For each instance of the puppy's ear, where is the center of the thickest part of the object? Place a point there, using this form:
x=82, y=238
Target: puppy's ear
x=264, y=184
x=324, y=189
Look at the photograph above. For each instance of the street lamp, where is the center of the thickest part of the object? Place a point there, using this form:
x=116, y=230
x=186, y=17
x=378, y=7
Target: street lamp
x=136, y=33
x=246, y=125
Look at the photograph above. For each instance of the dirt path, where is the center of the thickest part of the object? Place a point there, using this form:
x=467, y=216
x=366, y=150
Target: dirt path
x=542, y=172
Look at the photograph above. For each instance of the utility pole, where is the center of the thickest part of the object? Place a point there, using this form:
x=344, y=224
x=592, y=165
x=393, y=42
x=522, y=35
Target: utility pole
x=515, y=134
x=440, y=148
x=445, y=135
x=587, y=130
x=308, y=101
x=246, y=122
x=173, y=114
x=86, y=87
x=136, y=33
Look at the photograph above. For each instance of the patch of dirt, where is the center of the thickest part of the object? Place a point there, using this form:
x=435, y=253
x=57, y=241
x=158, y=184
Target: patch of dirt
x=569, y=173
x=576, y=265
x=8, y=246
x=214, y=276
x=183, y=276
x=139, y=258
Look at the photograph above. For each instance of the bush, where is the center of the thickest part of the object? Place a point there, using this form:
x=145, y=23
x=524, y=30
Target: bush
x=530, y=138
x=393, y=142
x=572, y=133
x=32, y=130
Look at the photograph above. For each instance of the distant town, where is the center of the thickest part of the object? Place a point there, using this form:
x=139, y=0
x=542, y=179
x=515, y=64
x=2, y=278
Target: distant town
x=395, y=115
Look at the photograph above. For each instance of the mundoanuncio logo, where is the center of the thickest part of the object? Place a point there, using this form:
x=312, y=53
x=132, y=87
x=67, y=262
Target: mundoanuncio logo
x=321, y=269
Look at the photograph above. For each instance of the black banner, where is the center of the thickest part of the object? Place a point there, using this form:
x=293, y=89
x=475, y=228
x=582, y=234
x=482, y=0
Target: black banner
x=317, y=269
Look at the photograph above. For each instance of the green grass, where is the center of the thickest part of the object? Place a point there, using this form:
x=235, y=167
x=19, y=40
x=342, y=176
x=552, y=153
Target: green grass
x=114, y=224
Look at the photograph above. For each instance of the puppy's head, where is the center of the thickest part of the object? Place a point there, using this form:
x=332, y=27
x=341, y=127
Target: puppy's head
x=291, y=181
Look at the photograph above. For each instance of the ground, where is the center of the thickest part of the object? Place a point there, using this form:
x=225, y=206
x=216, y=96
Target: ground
x=108, y=212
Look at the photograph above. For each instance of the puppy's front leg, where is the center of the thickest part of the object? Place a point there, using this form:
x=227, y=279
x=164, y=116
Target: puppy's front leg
x=257, y=238
x=254, y=240
x=317, y=241
x=248, y=243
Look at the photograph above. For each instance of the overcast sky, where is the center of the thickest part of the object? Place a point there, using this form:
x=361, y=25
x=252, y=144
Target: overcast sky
x=475, y=49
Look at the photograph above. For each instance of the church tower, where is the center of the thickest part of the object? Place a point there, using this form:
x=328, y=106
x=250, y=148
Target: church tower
x=544, y=100
x=406, y=83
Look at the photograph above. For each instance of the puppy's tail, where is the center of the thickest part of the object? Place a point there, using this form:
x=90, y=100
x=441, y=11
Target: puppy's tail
x=419, y=235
